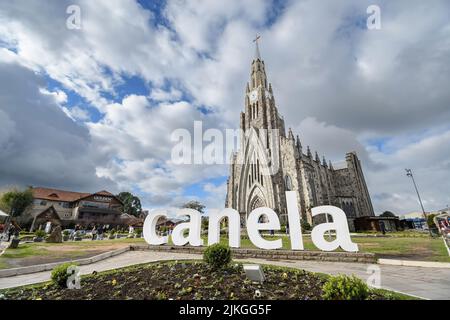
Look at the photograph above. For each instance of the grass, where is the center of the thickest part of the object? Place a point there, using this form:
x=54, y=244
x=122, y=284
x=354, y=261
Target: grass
x=24, y=250
x=407, y=248
x=4, y=265
x=397, y=247
x=42, y=252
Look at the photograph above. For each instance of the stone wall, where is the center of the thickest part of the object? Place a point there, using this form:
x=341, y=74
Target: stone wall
x=273, y=254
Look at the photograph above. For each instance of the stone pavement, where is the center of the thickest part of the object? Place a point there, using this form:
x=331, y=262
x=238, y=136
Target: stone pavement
x=430, y=283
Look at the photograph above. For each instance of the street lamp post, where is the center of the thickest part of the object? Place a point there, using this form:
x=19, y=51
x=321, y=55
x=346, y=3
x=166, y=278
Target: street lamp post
x=409, y=173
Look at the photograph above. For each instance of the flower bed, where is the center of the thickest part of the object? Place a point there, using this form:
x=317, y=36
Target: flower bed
x=187, y=281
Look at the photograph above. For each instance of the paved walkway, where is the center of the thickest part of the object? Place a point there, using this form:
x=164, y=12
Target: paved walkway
x=430, y=283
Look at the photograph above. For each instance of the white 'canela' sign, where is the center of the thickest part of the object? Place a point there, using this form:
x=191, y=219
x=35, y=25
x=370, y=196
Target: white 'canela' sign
x=193, y=235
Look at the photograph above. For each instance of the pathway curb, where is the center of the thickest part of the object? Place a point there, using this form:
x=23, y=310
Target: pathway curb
x=410, y=263
x=49, y=266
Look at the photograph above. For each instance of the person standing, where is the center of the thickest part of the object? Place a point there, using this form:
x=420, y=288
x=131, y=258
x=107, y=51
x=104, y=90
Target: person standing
x=11, y=232
x=94, y=232
x=100, y=232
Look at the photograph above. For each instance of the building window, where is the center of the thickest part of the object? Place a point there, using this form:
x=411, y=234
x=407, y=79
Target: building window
x=66, y=205
x=288, y=183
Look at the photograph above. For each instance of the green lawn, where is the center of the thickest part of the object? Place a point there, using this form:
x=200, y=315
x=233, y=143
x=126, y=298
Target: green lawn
x=406, y=248
x=42, y=252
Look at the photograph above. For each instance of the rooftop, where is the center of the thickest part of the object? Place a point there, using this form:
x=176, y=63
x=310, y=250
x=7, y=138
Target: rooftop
x=63, y=195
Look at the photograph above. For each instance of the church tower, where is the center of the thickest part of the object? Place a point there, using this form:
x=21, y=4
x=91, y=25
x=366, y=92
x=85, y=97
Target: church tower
x=260, y=109
x=249, y=186
x=271, y=162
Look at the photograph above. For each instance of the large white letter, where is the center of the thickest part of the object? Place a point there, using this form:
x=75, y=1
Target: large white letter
x=339, y=224
x=295, y=229
x=149, y=229
x=193, y=226
x=234, y=227
x=253, y=227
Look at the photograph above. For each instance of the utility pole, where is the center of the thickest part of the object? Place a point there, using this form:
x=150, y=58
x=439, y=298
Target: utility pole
x=409, y=173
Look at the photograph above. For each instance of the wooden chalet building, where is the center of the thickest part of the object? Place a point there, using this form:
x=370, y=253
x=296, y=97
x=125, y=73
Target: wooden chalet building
x=68, y=208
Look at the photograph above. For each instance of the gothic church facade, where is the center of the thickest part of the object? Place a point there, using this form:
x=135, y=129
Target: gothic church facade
x=315, y=181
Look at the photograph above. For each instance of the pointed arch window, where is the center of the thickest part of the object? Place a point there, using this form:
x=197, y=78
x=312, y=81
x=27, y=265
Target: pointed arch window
x=288, y=183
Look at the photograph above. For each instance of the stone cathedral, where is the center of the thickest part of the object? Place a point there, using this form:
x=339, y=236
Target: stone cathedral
x=315, y=181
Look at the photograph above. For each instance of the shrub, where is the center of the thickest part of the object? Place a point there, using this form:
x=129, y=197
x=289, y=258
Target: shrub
x=59, y=274
x=40, y=233
x=430, y=221
x=305, y=225
x=343, y=287
x=217, y=256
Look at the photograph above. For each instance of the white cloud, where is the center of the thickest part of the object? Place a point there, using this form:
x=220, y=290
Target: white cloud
x=339, y=84
x=163, y=95
x=39, y=144
x=59, y=96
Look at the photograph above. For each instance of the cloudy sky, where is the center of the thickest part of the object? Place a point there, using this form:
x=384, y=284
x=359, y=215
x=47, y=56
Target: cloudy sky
x=94, y=108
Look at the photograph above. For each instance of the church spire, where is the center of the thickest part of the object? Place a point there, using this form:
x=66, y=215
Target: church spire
x=291, y=135
x=308, y=152
x=258, y=77
x=317, y=158
x=257, y=53
x=298, y=142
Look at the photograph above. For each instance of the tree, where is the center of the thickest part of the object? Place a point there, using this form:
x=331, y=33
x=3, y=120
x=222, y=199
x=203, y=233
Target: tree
x=205, y=223
x=195, y=205
x=131, y=203
x=305, y=225
x=16, y=201
x=387, y=214
x=430, y=221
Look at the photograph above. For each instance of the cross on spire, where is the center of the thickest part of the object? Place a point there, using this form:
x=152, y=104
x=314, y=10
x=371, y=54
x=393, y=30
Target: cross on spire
x=256, y=41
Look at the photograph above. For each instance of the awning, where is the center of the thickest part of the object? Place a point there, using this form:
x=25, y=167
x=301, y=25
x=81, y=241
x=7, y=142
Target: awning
x=2, y=214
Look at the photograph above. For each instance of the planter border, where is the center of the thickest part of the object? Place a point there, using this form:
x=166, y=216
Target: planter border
x=369, y=258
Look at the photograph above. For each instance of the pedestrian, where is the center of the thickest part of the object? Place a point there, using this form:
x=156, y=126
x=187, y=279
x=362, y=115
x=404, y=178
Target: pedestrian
x=100, y=233
x=94, y=233
x=11, y=232
x=382, y=227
